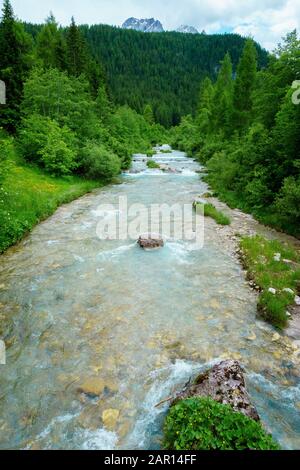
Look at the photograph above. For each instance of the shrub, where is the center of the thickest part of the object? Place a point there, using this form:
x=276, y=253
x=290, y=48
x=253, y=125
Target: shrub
x=152, y=164
x=99, y=163
x=58, y=155
x=209, y=150
x=33, y=136
x=288, y=205
x=204, y=424
x=6, y=152
x=43, y=141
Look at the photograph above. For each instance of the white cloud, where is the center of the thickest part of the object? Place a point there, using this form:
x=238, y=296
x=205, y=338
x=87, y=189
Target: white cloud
x=266, y=20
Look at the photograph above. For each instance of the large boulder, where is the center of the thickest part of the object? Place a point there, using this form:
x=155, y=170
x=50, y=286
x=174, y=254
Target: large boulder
x=150, y=241
x=224, y=383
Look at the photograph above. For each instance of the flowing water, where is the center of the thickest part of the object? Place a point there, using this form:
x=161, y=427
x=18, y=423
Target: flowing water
x=77, y=311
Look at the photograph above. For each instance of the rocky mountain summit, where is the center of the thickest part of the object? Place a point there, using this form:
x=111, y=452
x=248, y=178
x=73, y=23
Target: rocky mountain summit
x=145, y=25
x=187, y=29
x=151, y=25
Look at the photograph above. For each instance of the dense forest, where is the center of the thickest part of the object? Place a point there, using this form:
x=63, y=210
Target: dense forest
x=161, y=69
x=246, y=131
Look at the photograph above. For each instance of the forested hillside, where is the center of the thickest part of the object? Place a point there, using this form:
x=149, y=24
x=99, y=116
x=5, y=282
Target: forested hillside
x=58, y=122
x=246, y=131
x=162, y=69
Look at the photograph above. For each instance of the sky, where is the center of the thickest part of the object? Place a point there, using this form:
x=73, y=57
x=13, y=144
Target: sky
x=265, y=20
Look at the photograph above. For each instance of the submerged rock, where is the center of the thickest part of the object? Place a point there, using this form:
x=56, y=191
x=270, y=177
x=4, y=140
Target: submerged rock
x=224, y=383
x=110, y=418
x=150, y=241
x=92, y=386
x=95, y=386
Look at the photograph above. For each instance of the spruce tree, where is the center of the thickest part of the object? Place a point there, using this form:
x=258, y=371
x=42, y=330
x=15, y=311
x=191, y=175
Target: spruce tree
x=223, y=100
x=14, y=46
x=77, y=55
x=148, y=114
x=51, y=48
x=103, y=104
x=204, y=117
x=244, y=84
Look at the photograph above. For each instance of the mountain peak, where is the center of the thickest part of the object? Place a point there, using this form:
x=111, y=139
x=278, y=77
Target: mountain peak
x=146, y=25
x=187, y=29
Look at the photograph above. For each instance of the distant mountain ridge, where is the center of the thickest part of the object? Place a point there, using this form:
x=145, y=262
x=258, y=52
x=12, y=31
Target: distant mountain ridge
x=187, y=29
x=145, y=25
x=151, y=25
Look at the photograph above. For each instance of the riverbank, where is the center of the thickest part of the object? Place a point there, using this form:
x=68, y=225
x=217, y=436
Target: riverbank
x=29, y=196
x=262, y=252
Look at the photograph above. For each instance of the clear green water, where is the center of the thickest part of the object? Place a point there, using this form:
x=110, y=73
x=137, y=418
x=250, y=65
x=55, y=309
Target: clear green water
x=74, y=307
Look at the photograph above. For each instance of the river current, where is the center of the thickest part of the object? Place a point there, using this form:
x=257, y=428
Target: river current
x=77, y=312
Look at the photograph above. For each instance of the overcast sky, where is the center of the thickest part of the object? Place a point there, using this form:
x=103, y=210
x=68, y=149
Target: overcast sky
x=266, y=20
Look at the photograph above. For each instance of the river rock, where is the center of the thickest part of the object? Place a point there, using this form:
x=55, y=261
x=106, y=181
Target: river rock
x=276, y=337
x=150, y=241
x=199, y=200
x=95, y=386
x=110, y=418
x=224, y=383
x=166, y=148
x=288, y=290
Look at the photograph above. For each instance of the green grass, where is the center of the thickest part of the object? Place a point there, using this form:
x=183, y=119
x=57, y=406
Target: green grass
x=204, y=424
x=258, y=256
x=209, y=210
x=28, y=196
x=152, y=164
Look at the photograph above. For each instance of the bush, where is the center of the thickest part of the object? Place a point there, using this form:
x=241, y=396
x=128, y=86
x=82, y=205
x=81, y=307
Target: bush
x=6, y=152
x=99, y=163
x=43, y=141
x=32, y=136
x=204, y=424
x=288, y=205
x=209, y=150
x=152, y=164
x=58, y=155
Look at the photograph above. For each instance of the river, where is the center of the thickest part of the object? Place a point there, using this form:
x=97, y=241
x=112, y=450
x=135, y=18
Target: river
x=77, y=311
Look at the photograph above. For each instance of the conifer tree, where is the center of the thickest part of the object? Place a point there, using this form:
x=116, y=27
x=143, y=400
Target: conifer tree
x=223, y=99
x=51, y=47
x=244, y=84
x=14, y=45
x=103, y=104
x=205, y=107
x=148, y=114
x=77, y=55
